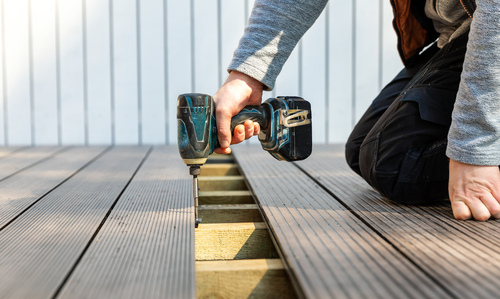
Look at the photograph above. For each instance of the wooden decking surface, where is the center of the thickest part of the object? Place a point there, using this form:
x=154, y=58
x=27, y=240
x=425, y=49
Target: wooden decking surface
x=96, y=222
x=117, y=222
x=341, y=239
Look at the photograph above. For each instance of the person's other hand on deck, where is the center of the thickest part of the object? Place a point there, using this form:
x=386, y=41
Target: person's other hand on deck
x=474, y=191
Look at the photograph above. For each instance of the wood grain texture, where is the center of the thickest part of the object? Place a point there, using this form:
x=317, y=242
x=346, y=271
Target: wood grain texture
x=226, y=197
x=26, y=158
x=463, y=256
x=229, y=213
x=256, y=278
x=146, y=247
x=329, y=252
x=24, y=189
x=221, y=183
x=233, y=241
x=39, y=249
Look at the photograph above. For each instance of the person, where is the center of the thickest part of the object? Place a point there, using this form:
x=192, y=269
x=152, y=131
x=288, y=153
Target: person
x=432, y=133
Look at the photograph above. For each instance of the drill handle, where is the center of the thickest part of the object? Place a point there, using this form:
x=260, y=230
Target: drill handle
x=256, y=114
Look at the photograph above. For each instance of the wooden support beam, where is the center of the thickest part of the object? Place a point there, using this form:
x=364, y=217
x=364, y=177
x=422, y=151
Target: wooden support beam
x=216, y=158
x=229, y=213
x=219, y=169
x=257, y=278
x=213, y=183
x=233, y=241
x=226, y=197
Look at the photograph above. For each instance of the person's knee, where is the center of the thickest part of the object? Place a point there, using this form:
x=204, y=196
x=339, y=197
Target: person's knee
x=352, y=156
x=410, y=177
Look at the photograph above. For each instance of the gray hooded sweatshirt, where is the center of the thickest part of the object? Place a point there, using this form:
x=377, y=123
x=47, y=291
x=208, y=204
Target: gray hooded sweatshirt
x=276, y=26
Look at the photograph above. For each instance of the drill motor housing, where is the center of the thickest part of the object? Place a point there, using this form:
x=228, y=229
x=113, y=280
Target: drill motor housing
x=285, y=123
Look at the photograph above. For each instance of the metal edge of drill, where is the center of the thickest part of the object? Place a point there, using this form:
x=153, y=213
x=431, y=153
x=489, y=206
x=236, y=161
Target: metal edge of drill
x=195, y=171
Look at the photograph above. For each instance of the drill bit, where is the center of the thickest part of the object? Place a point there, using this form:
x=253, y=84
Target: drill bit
x=194, y=170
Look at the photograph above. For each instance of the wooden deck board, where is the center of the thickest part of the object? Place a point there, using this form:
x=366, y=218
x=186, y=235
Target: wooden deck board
x=6, y=151
x=13, y=161
x=329, y=251
x=39, y=249
x=463, y=256
x=146, y=247
x=20, y=191
x=91, y=222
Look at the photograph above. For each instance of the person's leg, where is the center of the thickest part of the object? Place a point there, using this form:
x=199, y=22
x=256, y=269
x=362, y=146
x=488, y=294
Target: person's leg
x=385, y=98
x=403, y=154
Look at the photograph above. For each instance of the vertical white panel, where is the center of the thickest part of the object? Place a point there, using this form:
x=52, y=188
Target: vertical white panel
x=391, y=63
x=205, y=47
x=153, y=91
x=234, y=17
x=3, y=92
x=367, y=54
x=72, y=75
x=313, y=76
x=17, y=72
x=98, y=71
x=287, y=83
x=248, y=9
x=233, y=24
x=341, y=71
x=179, y=58
x=44, y=72
x=125, y=72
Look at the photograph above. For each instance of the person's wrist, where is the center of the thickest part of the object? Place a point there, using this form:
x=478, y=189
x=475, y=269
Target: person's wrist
x=245, y=79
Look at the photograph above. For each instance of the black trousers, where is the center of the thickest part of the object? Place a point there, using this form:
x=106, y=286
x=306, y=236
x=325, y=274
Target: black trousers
x=399, y=144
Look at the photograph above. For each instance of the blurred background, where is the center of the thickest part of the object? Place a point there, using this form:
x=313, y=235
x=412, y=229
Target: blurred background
x=88, y=72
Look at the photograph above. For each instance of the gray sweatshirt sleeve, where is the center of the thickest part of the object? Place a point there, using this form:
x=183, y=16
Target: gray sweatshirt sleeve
x=274, y=29
x=474, y=136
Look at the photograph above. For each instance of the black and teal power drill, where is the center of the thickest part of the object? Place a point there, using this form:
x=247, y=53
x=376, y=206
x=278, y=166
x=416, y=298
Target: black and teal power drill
x=285, y=130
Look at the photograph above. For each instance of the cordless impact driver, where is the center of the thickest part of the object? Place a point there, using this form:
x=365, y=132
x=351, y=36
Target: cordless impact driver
x=285, y=130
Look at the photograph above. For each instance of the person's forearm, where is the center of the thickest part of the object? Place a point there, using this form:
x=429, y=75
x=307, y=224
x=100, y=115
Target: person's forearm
x=474, y=136
x=274, y=29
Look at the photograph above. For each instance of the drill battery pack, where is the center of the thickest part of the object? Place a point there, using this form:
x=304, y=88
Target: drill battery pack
x=287, y=135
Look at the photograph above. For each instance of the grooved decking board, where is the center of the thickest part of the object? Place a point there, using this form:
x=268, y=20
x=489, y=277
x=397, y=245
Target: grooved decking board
x=20, y=191
x=6, y=151
x=330, y=253
x=146, y=247
x=19, y=160
x=38, y=249
x=463, y=255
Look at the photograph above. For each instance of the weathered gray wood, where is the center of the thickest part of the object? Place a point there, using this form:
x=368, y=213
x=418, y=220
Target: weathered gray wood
x=463, y=256
x=329, y=251
x=146, y=247
x=39, y=249
x=19, y=160
x=6, y=151
x=20, y=191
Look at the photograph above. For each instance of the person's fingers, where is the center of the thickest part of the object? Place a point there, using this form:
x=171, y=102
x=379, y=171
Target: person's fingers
x=460, y=210
x=223, y=128
x=223, y=151
x=256, y=128
x=239, y=134
x=478, y=210
x=491, y=204
x=249, y=129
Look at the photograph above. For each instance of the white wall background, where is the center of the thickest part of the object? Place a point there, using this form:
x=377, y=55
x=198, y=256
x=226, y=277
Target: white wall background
x=109, y=71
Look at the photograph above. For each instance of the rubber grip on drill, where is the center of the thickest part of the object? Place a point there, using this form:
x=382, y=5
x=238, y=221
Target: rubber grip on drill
x=254, y=113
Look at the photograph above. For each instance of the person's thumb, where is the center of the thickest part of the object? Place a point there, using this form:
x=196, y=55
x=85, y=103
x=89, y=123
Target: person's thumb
x=223, y=118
